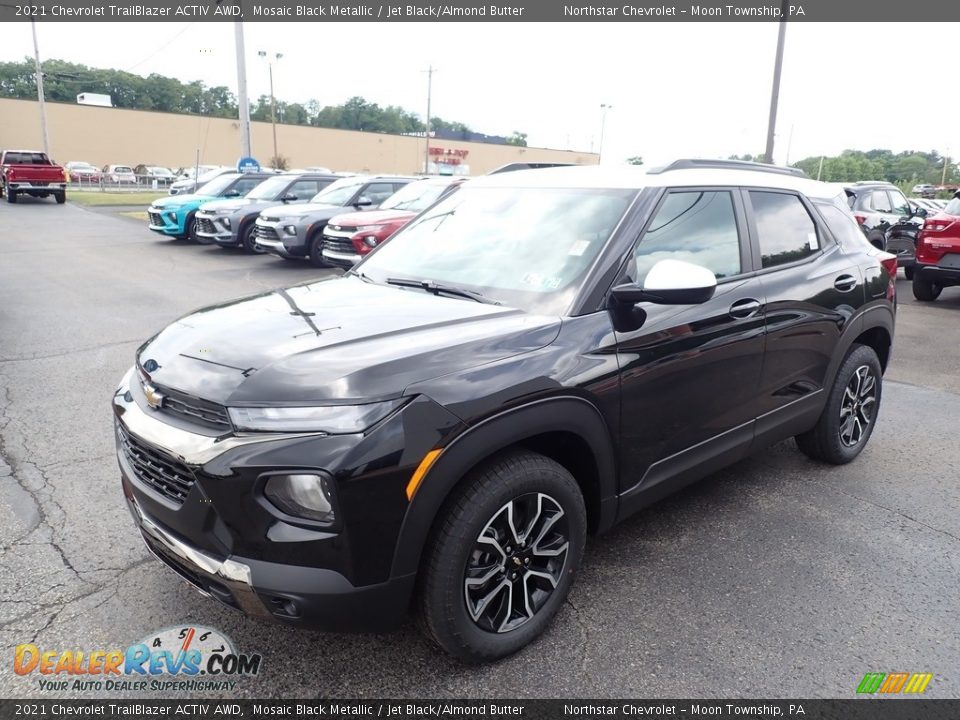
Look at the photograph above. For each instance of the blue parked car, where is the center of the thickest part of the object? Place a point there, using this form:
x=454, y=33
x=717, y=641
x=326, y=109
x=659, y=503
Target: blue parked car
x=173, y=216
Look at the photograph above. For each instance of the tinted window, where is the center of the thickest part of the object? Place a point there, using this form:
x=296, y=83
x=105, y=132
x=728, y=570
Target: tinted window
x=844, y=228
x=881, y=201
x=245, y=185
x=304, y=189
x=378, y=192
x=786, y=231
x=697, y=227
x=899, y=203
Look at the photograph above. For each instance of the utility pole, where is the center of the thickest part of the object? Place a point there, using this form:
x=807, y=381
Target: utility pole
x=39, y=73
x=775, y=92
x=273, y=102
x=820, y=169
x=943, y=178
x=603, y=123
x=426, y=153
x=246, y=149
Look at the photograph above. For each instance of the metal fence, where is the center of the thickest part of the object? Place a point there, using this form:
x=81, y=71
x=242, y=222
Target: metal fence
x=139, y=183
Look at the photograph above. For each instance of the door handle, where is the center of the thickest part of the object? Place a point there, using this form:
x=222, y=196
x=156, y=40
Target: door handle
x=743, y=309
x=845, y=283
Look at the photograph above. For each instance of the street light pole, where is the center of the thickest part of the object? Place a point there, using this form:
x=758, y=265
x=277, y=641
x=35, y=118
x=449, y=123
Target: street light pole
x=603, y=123
x=39, y=73
x=426, y=152
x=775, y=91
x=273, y=102
x=246, y=150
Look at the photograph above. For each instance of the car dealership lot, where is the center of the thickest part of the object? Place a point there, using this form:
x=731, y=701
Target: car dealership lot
x=777, y=577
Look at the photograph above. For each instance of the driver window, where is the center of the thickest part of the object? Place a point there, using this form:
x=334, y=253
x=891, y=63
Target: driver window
x=900, y=204
x=695, y=226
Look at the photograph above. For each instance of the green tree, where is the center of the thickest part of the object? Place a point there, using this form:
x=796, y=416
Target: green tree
x=518, y=138
x=635, y=160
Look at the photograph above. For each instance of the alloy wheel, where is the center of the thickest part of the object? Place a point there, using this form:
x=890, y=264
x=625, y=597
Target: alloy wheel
x=856, y=407
x=516, y=562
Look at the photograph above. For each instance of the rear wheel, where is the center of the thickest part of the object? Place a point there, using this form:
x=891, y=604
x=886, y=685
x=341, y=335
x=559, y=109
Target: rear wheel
x=60, y=197
x=316, y=251
x=925, y=290
x=502, y=560
x=850, y=414
x=11, y=196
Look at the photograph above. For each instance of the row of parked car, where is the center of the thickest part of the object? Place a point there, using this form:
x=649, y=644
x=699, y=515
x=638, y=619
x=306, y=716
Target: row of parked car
x=326, y=219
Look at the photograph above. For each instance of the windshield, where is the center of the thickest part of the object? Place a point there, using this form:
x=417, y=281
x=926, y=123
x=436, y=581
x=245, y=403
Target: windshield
x=527, y=248
x=269, y=189
x=339, y=192
x=414, y=197
x=123, y=169
x=218, y=184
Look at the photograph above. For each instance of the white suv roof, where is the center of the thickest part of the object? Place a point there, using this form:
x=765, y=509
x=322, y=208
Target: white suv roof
x=679, y=174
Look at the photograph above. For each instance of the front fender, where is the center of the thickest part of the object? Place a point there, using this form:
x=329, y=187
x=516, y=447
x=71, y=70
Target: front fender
x=569, y=414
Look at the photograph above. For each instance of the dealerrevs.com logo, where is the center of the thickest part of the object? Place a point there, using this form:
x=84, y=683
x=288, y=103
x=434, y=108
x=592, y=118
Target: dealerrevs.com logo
x=185, y=658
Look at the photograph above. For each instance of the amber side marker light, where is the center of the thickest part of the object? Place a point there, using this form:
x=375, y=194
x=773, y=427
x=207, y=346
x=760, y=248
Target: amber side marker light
x=422, y=469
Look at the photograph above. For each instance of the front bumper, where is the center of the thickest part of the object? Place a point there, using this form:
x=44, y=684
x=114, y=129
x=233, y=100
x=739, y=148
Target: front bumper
x=160, y=221
x=226, y=540
x=905, y=248
x=214, y=228
x=272, y=237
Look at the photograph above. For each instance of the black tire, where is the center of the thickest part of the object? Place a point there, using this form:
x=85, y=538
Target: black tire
x=533, y=486
x=837, y=440
x=11, y=196
x=315, y=249
x=248, y=239
x=60, y=197
x=908, y=273
x=925, y=290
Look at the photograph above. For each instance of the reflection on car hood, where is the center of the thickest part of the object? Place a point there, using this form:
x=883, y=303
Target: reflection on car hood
x=231, y=204
x=174, y=201
x=298, y=210
x=334, y=341
x=373, y=217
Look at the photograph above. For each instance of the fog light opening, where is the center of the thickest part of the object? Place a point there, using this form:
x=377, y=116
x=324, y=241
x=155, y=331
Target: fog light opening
x=301, y=495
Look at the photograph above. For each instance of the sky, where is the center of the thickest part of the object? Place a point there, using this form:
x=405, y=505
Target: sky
x=674, y=89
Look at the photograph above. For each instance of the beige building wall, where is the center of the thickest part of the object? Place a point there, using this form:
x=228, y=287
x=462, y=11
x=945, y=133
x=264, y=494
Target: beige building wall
x=105, y=136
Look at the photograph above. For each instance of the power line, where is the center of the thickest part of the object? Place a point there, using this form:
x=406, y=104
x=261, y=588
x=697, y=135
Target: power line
x=162, y=47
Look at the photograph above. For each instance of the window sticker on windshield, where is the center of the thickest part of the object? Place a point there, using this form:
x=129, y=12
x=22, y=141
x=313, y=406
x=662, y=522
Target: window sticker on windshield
x=578, y=248
x=812, y=240
x=539, y=281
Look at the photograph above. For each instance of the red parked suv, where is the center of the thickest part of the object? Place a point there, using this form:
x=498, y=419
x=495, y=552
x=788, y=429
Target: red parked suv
x=938, y=253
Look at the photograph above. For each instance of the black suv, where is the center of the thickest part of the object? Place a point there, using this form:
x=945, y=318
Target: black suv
x=535, y=357
x=888, y=219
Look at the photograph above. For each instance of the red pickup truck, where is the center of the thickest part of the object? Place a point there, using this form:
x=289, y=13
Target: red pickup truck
x=31, y=172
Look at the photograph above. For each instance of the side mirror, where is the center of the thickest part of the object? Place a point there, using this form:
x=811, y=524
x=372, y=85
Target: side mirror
x=289, y=197
x=363, y=201
x=670, y=282
x=232, y=194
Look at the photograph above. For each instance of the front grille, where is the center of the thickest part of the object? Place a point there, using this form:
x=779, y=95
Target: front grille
x=266, y=233
x=339, y=244
x=167, y=476
x=155, y=218
x=199, y=412
x=205, y=225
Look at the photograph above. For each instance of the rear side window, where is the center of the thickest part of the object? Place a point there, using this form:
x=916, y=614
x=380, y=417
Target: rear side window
x=698, y=227
x=844, y=228
x=785, y=230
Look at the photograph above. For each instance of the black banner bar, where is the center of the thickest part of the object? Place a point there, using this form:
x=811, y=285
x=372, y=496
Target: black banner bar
x=854, y=709
x=473, y=11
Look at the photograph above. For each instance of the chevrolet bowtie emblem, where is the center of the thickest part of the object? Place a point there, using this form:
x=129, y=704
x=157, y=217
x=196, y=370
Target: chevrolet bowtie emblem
x=154, y=398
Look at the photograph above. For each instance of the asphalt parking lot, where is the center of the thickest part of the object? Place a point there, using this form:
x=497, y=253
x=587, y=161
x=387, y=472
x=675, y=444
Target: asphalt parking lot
x=778, y=577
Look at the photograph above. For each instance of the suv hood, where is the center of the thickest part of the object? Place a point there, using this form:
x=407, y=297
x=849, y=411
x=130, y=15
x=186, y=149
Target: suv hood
x=298, y=210
x=335, y=341
x=231, y=204
x=372, y=217
x=173, y=201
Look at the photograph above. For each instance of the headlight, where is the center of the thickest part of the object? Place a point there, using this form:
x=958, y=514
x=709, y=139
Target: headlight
x=330, y=419
x=369, y=228
x=303, y=495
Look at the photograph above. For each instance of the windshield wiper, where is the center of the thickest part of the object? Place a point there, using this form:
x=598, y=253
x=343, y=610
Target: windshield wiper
x=437, y=288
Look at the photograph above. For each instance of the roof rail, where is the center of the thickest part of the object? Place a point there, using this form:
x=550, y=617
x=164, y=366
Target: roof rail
x=698, y=164
x=511, y=167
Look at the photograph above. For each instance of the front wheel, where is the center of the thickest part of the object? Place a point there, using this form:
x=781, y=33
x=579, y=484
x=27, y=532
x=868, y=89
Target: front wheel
x=249, y=240
x=315, y=255
x=908, y=273
x=850, y=414
x=925, y=290
x=503, y=557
